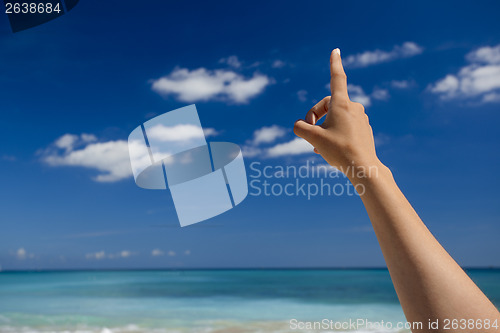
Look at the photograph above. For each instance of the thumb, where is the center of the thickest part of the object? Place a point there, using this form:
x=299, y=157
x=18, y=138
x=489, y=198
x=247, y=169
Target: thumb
x=311, y=133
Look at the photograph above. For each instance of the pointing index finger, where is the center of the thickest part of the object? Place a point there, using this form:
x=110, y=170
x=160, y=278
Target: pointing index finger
x=338, y=80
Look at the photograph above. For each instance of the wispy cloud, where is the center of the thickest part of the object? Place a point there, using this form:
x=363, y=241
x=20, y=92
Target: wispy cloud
x=208, y=85
x=268, y=134
x=296, y=146
x=69, y=141
x=263, y=136
x=157, y=253
x=249, y=150
x=124, y=254
x=232, y=61
x=278, y=64
x=96, y=255
x=368, y=58
x=402, y=84
x=302, y=95
x=478, y=81
x=22, y=254
x=170, y=253
x=380, y=94
x=381, y=139
x=103, y=255
x=485, y=55
x=182, y=132
x=357, y=94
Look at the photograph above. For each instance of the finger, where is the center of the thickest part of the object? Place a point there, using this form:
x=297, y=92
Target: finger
x=316, y=151
x=318, y=111
x=338, y=79
x=311, y=133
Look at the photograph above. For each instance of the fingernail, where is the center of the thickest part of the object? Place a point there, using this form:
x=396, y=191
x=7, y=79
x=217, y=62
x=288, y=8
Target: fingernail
x=337, y=50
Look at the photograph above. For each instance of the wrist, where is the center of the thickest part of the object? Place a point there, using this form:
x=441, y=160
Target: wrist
x=367, y=173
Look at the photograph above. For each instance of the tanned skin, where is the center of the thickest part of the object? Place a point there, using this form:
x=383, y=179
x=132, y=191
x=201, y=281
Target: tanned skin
x=430, y=285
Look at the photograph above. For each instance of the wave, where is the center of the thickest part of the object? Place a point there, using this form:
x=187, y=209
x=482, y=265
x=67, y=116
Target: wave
x=208, y=327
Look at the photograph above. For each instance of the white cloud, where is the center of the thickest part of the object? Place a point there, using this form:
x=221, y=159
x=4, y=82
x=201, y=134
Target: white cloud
x=171, y=253
x=449, y=84
x=209, y=131
x=268, y=134
x=69, y=141
x=480, y=80
x=403, y=84
x=381, y=139
x=157, y=253
x=125, y=254
x=491, y=98
x=232, y=61
x=251, y=151
x=66, y=141
x=263, y=135
x=485, y=55
x=357, y=94
x=187, y=252
x=110, y=158
x=21, y=253
x=102, y=255
x=295, y=147
x=204, y=85
x=368, y=58
x=96, y=255
x=278, y=64
x=182, y=132
x=302, y=95
x=380, y=94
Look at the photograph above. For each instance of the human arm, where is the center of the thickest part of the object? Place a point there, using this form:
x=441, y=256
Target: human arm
x=429, y=283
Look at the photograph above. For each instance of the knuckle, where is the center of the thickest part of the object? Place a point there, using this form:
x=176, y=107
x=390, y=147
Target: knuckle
x=339, y=75
x=326, y=102
x=357, y=106
x=341, y=102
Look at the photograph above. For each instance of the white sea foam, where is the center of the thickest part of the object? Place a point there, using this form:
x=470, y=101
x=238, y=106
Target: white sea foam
x=220, y=326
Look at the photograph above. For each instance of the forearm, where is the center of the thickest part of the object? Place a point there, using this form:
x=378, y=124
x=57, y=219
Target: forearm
x=429, y=283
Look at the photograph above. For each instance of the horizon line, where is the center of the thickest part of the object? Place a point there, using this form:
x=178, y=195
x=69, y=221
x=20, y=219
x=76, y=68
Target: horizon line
x=220, y=269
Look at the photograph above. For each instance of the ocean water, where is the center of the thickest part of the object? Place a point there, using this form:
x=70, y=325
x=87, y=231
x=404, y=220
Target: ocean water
x=208, y=301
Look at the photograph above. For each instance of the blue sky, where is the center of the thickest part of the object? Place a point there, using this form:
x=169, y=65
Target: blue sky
x=74, y=88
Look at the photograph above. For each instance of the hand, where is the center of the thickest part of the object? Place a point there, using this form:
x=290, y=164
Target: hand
x=345, y=139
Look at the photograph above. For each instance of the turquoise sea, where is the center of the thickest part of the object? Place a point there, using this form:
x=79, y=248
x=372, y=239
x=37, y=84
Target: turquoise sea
x=204, y=300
